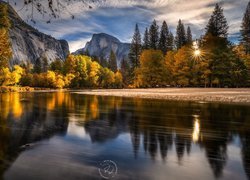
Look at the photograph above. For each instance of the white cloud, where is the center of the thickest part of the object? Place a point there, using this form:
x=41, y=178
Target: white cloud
x=194, y=13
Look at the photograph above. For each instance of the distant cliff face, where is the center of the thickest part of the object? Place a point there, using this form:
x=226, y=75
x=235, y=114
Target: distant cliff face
x=28, y=44
x=101, y=45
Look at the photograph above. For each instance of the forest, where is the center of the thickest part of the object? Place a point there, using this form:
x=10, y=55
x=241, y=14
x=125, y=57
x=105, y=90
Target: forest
x=158, y=59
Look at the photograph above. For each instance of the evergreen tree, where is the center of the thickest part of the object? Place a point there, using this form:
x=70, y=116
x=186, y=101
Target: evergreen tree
x=245, y=30
x=38, y=66
x=217, y=25
x=170, y=42
x=146, y=43
x=154, y=35
x=45, y=64
x=112, y=63
x=163, y=38
x=125, y=70
x=180, y=39
x=135, y=48
x=189, y=36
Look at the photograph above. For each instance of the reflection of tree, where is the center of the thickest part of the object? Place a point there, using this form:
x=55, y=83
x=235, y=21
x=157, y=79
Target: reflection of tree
x=166, y=141
x=159, y=124
x=34, y=123
x=245, y=138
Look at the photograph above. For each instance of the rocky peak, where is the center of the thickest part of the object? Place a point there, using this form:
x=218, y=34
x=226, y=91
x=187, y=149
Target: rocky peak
x=28, y=44
x=101, y=44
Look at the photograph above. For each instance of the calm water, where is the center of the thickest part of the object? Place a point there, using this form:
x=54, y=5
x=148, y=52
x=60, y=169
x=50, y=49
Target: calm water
x=67, y=136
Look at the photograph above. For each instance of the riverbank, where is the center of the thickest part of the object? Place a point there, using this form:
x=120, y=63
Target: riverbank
x=179, y=94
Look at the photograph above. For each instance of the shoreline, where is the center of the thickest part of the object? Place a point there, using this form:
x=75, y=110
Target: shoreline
x=241, y=95
x=202, y=95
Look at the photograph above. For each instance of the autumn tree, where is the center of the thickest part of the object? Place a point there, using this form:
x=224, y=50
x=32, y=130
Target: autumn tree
x=154, y=35
x=135, y=48
x=94, y=74
x=152, y=72
x=5, y=46
x=182, y=66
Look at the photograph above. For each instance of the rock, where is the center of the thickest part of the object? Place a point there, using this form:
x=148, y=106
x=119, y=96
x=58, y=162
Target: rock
x=28, y=44
x=101, y=45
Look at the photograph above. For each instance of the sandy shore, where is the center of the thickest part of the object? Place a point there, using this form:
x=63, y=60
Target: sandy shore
x=179, y=94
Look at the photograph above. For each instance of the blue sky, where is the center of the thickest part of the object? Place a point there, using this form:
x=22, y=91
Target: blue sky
x=118, y=17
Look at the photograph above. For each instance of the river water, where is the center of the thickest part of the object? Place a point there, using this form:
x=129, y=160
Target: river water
x=66, y=135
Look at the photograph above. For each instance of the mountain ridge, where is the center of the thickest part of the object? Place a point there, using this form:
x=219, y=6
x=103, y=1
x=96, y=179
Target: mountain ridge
x=29, y=45
x=101, y=44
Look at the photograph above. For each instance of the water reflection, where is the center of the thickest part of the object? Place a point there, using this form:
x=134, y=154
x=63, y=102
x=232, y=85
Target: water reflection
x=155, y=128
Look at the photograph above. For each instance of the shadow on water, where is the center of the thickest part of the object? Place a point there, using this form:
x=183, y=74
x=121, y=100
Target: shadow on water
x=156, y=128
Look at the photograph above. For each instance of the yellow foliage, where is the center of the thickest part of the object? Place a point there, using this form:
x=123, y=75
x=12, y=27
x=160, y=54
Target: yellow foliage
x=153, y=71
x=94, y=74
x=118, y=79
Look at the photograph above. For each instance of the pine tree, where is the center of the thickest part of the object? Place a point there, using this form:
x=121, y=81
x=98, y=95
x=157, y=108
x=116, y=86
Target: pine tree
x=180, y=39
x=154, y=35
x=125, y=70
x=146, y=43
x=135, y=48
x=170, y=42
x=112, y=64
x=163, y=38
x=245, y=30
x=217, y=25
x=189, y=36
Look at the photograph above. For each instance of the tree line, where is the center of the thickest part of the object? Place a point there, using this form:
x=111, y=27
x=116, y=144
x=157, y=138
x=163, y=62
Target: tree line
x=159, y=59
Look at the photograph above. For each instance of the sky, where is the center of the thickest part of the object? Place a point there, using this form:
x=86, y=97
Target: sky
x=118, y=17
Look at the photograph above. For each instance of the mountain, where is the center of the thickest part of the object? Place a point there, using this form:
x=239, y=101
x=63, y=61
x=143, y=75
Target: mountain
x=101, y=44
x=28, y=44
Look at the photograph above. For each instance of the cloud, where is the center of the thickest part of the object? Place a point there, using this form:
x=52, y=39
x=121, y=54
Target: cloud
x=118, y=17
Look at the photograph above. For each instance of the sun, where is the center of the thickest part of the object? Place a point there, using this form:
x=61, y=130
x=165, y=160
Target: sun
x=197, y=53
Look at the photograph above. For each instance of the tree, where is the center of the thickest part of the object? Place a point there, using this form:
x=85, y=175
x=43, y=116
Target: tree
x=135, y=49
x=94, y=73
x=245, y=30
x=125, y=71
x=112, y=63
x=170, y=42
x=118, y=80
x=154, y=35
x=217, y=24
x=163, y=38
x=180, y=39
x=56, y=66
x=5, y=46
x=218, y=52
x=182, y=67
x=146, y=42
x=152, y=72
x=16, y=75
x=189, y=36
